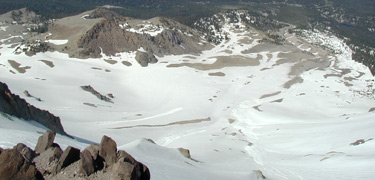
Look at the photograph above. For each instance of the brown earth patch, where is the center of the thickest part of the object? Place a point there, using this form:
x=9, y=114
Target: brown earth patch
x=17, y=66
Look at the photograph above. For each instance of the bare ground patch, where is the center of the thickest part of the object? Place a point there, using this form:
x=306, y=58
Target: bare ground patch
x=222, y=62
x=169, y=124
x=110, y=61
x=48, y=63
x=126, y=63
x=216, y=74
x=293, y=81
x=270, y=95
x=17, y=66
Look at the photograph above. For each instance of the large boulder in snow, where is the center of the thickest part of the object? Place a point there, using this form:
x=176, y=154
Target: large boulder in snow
x=14, y=105
x=108, y=150
x=143, y=58
x=45, y=141
x=14, y=165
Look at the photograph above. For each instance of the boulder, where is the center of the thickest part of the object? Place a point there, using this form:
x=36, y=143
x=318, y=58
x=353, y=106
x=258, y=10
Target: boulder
x=86, y=165
x=94, y=151
x=69, y=156
x=27, y=153
x=47, y=161
x=1, y=150
x=143, y=58
x=123, y=169
x=107, y=150
x=14, y=166
x=126, y=157
x=98, y=160
x=45, y=141
x=185, y=152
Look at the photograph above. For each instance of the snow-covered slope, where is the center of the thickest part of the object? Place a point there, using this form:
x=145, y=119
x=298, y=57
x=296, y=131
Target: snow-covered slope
x=293, y=111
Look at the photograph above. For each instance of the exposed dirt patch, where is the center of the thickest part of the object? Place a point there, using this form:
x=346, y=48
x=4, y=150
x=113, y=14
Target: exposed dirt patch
x=126, y=63
x=360, y=141
x=48, y=63
x=216, y=74
x=293, y=81
x=270, y=95
x=110, y=61
x=17, y=66
x=169, y=124
x=222, y=62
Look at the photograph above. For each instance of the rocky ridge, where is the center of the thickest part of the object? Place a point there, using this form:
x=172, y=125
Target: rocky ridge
x=13, y=105
x=159, y=36
x=49, y=161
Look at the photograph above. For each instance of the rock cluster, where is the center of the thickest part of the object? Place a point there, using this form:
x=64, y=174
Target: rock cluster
x=14, y=105
x=49, y=161
x=143, y=58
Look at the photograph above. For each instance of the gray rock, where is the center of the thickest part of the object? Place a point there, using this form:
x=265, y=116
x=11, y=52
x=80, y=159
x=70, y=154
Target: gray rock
x=86, y=165
x=69, y=156
x=144, y=58
x=107, y=150
x=14, y=105
x=14, y=166
x=45, y=141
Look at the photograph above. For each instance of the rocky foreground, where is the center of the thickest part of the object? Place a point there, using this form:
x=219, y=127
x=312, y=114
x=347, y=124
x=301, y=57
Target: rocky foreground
x=49, y=161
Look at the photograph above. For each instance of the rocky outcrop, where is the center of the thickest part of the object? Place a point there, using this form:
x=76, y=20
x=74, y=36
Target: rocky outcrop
x=14, y=165
x=14, y=105
x=110, y=36
x=101, y=161
x=94, y=92
x=143, y=58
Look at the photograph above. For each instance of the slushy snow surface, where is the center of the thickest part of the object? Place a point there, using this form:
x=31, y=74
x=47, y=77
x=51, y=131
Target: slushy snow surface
x=244, y=119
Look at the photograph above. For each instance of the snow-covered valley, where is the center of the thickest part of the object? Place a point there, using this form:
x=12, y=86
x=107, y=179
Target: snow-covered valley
x=292, y=111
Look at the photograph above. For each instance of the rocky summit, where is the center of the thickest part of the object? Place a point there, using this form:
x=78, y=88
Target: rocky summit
x=53, y=163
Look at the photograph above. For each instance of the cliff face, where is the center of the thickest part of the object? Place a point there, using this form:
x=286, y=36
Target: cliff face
x=158, y=36
x=14, y=105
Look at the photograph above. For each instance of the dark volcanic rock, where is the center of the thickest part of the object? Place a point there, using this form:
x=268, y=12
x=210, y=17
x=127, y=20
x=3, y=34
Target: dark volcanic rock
x=69, y=156
x=45, y=141
x=13, y=105
x=143, y=58
x=14, y=166
x=107, y=150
